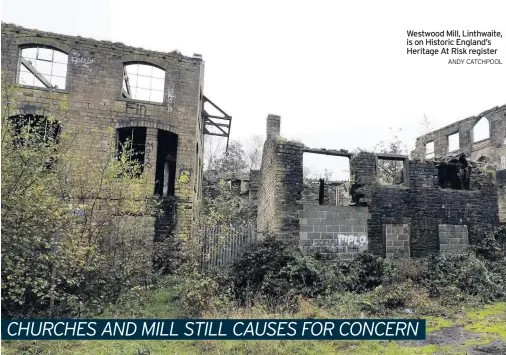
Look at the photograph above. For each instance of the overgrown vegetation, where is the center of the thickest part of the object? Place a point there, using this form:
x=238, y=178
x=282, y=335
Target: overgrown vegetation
x=74, y=231
x=74, y=244
x=274, y=274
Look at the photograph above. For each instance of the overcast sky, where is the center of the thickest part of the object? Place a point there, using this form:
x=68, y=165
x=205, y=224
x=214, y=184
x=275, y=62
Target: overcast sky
x=336, y=72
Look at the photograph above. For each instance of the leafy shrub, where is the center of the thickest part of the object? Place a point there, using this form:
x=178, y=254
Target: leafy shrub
x=201, y=293
x=74, y=231
x=366, y=272
x=491, y=245
x=279, y=272
x=462, y=274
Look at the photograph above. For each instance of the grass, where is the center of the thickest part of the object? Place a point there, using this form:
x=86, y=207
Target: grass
x=488, y=322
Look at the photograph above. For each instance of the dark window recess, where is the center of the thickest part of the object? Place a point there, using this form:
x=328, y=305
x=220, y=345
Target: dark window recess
x=34, y=130
x=321, y=193
x=165, y=175
x=454, y=174
x=133, y=140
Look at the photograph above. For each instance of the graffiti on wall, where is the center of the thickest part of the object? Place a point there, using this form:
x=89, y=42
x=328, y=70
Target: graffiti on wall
x=77, y=60
x=336, y=244
x=148, y=164
x=184, y=175
x=135, y=107
x=170, y=99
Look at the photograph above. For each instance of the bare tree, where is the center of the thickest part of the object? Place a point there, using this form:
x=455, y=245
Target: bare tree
x=391, y=171
x=214, y=147
x=254, y=149
x=233, y=160
x=425, y=125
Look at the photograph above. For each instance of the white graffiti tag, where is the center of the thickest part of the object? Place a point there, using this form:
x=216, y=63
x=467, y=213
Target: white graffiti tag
x=77, y=60
x=170, y=98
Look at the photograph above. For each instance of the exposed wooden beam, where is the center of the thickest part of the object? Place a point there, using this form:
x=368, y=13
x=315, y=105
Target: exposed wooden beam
x=216, y=107
x=125, y=93
x=391, y=156
x=334, y=152
x=217, y=124
x=36, y=73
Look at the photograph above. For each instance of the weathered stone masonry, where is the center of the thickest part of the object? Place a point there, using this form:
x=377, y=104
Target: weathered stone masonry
x=280, y=192
x=416, y=217
x=492, y=148
x=422, y=204
x=491, y=151
x=94, y=95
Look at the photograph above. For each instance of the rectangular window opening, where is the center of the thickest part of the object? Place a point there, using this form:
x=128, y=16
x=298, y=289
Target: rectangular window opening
x=454, y=176
x=453, y=142
x=429, y=150
x=326, y=179
x=165, y=175
x=391, y=171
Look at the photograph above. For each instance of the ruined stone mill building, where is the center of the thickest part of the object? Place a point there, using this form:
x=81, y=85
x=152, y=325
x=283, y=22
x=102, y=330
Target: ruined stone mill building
x=442, y=199
x=449, y=194
x=155, y=100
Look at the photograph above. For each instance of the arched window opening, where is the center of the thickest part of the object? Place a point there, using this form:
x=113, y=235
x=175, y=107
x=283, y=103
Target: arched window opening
x=34, y=130
x=43, y=67
x=143, y=82
x=481, y=130
x=132, y=144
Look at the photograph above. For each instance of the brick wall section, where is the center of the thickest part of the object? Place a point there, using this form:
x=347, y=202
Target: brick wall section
x=93, y=94
x=453, y=238
x=423, y=204
x=493, y=148
x=273, y=125
x=397, y=240
x=340, y=232
x=501, y=183
x=280, y=189
x=501, y=178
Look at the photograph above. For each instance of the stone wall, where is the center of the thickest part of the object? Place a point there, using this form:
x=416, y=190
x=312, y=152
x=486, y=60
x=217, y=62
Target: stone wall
x=280, y=188
x=422, y=203
x=492, y=148
x=397, y=238
x=340, y=232
x=95, y=105
x=453, y=238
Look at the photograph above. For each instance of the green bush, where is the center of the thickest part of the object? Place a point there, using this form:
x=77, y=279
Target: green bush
x=462, y=274
x=278, y=272
x=491, y=245
x=74, y=231
x=365, y=272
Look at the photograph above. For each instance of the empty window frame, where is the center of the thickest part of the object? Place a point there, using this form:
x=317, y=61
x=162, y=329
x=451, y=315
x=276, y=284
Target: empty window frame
x=132, y=144
x=322, y=173
x=143, y=82
x=391, y=171
x=34, y=130
x=166, y=158
x=43, y=67
x=481, y=130
x=453, y=142
x=454, y=176
x=429, y=150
